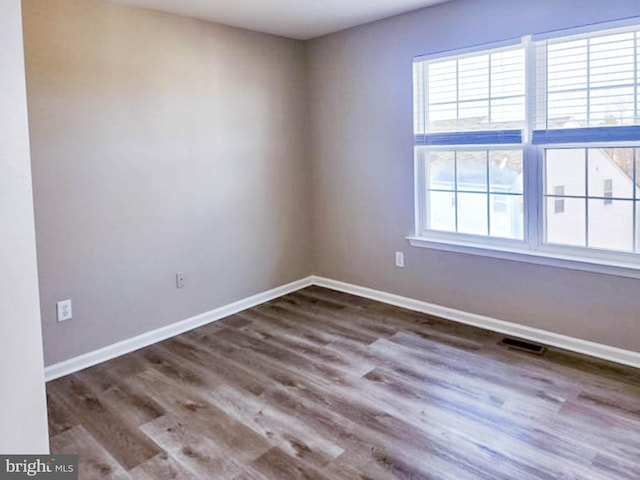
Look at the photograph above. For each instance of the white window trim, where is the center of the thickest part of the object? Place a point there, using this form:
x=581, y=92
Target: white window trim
x=533, y=250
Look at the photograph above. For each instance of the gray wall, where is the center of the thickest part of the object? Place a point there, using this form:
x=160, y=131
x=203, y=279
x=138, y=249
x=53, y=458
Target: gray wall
x=160, y=144
x=23, y=410
x=361, y=131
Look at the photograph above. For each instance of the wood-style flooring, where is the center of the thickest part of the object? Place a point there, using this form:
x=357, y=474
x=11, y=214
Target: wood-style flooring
x=323, y=385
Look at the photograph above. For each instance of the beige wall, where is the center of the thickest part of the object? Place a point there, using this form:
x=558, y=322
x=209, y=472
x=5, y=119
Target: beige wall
x=23, y=419
x=160, y=144
x=362, y=144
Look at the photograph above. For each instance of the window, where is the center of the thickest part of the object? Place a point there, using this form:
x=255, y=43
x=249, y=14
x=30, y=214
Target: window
x=518, y=148
x=470, y=112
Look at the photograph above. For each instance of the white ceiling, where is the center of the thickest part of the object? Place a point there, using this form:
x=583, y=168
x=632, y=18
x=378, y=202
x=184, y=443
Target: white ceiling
x=301, y=19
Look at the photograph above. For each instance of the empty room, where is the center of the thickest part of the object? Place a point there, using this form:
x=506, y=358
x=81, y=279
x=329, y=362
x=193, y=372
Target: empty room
x=284, y=239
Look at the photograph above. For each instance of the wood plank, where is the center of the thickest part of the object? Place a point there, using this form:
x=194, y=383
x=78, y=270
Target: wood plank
x=94, y=461
x=122, y=397
x=277, y=464
x=162, y=467
x=202, y=417
x=192, y=449
x=291, y=435
x=61, y=418
x=112, y=428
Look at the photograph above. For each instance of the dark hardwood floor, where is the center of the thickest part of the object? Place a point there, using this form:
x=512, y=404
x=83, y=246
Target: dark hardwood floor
x=323, y=385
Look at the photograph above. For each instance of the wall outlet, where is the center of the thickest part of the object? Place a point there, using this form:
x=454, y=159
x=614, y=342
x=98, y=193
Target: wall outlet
x=400, y=259
x=63, y=310
x=180, y=280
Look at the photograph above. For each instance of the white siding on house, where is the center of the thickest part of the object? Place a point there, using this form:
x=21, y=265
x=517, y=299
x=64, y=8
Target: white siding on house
x=595, y=222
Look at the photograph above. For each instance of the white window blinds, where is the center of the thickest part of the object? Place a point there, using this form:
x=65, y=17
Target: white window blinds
x=588, y=81
x=482, y=93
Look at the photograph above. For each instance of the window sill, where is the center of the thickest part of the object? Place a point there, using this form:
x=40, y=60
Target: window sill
x=547, y=258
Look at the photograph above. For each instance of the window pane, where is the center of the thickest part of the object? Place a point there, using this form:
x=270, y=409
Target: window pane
x=611, y=225
x=566, y=227
x=442, y=211
x=567, y=109
x=472, y=171
x=507, y=216
x=611, y=106
x=612, y=71
x=506, y=113
x=443, y=118
x=473, y=77
x=568, y=76
x=472, y=213
x=611, y=172
x=505, y=171
x=567, y=65
x=565, y=167
x=440, y=170
x=611, y=60
x=473, y=115
x=442, y=81
x=507, y=69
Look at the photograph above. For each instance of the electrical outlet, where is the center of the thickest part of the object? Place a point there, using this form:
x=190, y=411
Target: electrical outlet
x=180, y=280
x=63, y=310
x=400, y=259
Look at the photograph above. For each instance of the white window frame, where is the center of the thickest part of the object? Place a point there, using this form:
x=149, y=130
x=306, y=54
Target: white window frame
x=532, y=249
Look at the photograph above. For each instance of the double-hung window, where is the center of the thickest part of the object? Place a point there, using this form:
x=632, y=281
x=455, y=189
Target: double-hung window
x=531, y=149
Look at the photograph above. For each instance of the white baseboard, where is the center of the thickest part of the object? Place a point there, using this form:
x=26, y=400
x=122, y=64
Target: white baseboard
x=598, y=350
x=605, y=352
x=109, y=352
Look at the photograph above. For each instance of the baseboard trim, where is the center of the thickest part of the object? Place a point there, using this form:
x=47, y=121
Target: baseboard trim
x=110, y=352
x=598, y=350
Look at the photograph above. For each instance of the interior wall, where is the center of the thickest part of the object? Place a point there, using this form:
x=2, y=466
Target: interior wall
x=160, y=144
x=23, y=414
x=362, y=141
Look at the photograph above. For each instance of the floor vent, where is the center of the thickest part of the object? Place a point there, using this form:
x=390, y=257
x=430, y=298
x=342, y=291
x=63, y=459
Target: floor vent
x=523, y=345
